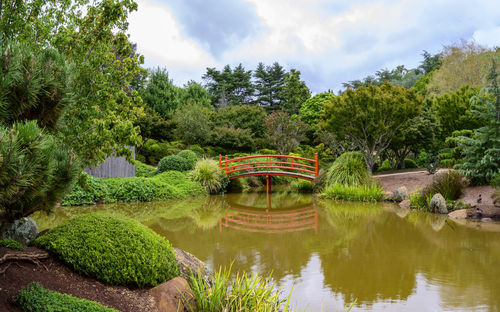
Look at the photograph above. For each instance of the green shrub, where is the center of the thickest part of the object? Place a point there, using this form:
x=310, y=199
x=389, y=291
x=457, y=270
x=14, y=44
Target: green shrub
x=190, y=156
x=301, y=186
x=349, y=169
x=174, y=163
x=371, y=192
x=35, y=298
x=176, y=185
x=197, y=149
x=495, y=180
x=385, y=166
x=449, y=183
x=423, y=159
x=115, y=249
x=131, y=190
x=210, y=176
x=10, y=243
x=232, y=139
x=410, y=163
x=241, y=293
x=143, y=170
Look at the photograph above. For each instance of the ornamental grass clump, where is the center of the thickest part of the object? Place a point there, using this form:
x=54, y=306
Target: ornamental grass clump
x=35, y=298
x=112, y=248
x=241, y=293
x=365, y=193
x=348, y=169
x=449, y=183
x=209, y=175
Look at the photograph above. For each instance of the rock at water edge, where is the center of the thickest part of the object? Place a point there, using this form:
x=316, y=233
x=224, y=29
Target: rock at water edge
x=438, y=204
x=400, y=194
x=23, y=230
x=174, y=295
x=458, y=214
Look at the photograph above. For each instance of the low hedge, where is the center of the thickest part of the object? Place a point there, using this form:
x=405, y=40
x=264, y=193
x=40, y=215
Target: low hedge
x=143, y=170
x=165, y=186
x=115, y=249
x=35, y=298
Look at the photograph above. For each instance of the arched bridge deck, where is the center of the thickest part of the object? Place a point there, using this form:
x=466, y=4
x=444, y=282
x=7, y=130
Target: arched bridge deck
x=269, y=165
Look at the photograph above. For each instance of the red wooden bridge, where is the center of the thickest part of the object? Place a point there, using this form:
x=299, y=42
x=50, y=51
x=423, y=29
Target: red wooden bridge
x=269, y=165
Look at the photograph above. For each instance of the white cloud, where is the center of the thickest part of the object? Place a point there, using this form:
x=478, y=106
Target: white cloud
x=159, y=38
x=329, y=41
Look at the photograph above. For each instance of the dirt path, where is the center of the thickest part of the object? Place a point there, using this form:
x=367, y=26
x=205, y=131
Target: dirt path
x=414, y=180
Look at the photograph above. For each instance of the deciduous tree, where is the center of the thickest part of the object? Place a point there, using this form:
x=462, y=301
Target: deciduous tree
x=282, y=132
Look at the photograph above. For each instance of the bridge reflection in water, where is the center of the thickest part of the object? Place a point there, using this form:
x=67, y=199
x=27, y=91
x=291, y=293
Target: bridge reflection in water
x=265, y=221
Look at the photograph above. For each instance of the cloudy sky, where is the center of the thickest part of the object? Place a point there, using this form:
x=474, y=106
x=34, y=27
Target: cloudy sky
x=330, y=42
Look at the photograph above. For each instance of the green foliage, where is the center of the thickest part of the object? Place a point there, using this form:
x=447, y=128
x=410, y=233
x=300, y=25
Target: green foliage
x=35, y=84
x=189, y=156
x=194, y=92
x=495, y=180
x=301, y=186
x=153, y=126
x=229, y=87
x=233, y=139
x=385, y=166
x=320, y=182
x=35, y=170
x=194, y=123
x=454, y=111
x=174, y=162
x=283, y=133
x=269, y=83
x=165, y=186
x=423, y=158
x=311, y=110
x=295, y=92
x=449, y=183
x=210, y=176
x=112, y=248
x=410, y=163
x=482, y=152
x=153, y=150
x=99, y=122
x=348, y=169
x=370, y=117
x=143, y=170
x=35, y=298
x=250, y=117
x=241, y=293
x=161, y=94
x=10, y=243
x=197, y=149
x=371, y=192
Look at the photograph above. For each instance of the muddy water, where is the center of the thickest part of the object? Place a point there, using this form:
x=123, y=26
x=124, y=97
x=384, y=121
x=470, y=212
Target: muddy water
x=385, y=258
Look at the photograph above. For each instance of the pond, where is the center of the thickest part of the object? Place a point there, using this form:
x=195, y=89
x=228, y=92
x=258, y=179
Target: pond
x=384, y=257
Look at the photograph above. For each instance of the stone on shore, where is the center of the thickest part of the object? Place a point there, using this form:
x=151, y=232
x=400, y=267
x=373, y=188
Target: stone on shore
x=438, y=204
x=405, y=204
x=400, y=194
x=189, y=263
x=23, y=230
x=174, y=295
x=458, y=214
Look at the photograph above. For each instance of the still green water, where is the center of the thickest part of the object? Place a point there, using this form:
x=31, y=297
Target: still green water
x=332, y=253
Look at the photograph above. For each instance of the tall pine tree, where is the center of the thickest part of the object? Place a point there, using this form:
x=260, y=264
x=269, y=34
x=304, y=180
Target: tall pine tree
x=269, y=84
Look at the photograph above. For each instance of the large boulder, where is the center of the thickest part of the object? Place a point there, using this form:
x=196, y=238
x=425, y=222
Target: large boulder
x=174, y=295
x=438, y=204
x=400, y=194
x=23, y=230
x=188, y=263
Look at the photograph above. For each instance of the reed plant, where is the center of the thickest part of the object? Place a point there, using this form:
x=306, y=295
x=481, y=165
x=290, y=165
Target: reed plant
x=209, y=175
x=366, y=193
x=242, y=293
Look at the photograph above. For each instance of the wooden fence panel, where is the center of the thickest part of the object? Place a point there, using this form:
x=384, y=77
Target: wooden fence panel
x=114, y=167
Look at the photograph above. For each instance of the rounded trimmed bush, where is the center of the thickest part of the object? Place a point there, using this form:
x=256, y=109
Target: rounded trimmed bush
x=385, y=166
x=174, y=163
x=189, y=155
x=115, y=249
x=410, y=163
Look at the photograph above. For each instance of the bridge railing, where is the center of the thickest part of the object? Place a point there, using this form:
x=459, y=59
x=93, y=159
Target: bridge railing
x=269, y=163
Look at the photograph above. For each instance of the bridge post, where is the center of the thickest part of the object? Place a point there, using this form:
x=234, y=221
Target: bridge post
x=316, y=162
x=220, y=161
x=225, y=163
